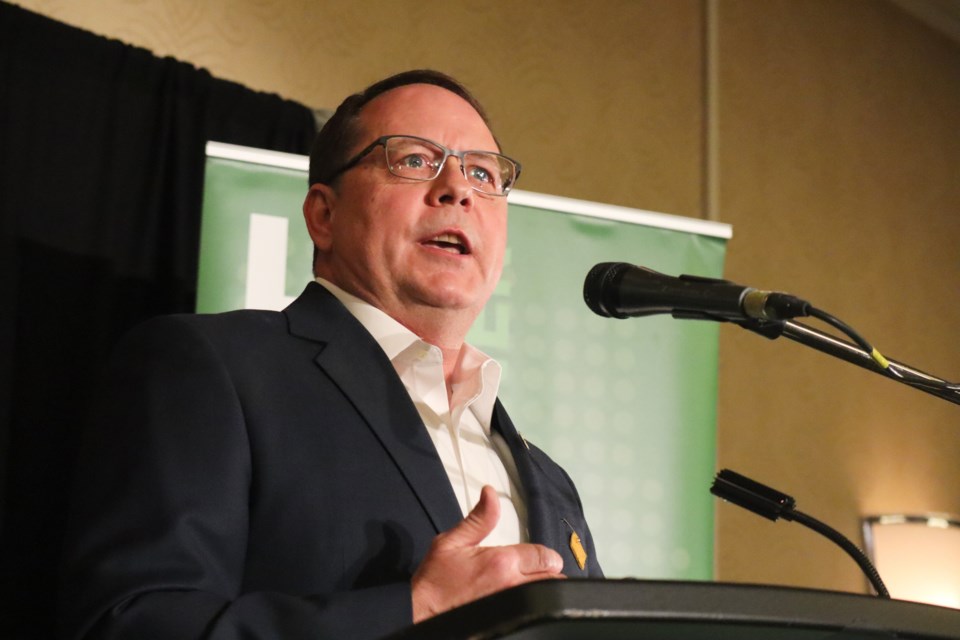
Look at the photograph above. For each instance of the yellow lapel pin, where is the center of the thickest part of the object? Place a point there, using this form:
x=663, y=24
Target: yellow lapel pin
x=579, y=554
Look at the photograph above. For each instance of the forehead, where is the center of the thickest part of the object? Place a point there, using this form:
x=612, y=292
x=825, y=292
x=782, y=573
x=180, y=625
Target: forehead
x=427, y=111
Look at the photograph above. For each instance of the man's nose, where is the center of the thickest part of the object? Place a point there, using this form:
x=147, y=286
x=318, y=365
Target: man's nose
x=451, y=185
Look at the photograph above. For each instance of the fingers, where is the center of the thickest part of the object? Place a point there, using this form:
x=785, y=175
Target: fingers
x=478, y=524
x=448, y=578
x=515, y=564
x=537, y=560
x=457, y=569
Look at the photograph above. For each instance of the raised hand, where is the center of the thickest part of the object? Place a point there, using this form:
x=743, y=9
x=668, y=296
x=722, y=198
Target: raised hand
x=457, y=570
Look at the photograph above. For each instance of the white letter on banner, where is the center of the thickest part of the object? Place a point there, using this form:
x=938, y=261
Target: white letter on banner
x=267, y=263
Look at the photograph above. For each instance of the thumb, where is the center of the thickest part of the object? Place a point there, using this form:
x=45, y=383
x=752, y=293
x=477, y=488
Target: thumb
x=478, y=524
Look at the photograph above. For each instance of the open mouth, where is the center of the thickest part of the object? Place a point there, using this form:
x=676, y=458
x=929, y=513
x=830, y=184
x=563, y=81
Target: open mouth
x=449, y=242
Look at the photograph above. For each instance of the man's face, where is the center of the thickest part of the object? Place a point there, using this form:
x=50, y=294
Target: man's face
x=413, y=247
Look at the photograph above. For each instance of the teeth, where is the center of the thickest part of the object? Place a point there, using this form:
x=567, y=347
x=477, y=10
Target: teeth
x=448, y=237
x=449, y=242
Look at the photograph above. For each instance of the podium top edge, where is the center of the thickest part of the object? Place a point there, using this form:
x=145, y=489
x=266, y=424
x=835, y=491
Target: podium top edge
x=644, y=608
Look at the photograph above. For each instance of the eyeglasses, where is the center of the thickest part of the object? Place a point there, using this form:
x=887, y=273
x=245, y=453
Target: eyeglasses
x=421, y=159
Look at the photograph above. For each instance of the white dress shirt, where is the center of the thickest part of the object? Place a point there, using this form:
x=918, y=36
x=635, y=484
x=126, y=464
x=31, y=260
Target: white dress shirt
x=471, y=454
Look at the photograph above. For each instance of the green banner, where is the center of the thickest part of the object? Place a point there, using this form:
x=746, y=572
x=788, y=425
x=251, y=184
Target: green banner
x=627, y=407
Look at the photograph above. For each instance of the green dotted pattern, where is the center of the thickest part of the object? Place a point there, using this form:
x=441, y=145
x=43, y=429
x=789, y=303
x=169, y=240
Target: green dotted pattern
x=627, y=407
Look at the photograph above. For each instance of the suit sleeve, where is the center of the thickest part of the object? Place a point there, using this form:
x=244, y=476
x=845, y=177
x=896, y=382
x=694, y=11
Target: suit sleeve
x=158, y=534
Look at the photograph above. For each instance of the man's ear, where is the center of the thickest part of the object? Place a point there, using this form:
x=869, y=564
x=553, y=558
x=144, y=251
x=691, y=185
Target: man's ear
x=318, y=214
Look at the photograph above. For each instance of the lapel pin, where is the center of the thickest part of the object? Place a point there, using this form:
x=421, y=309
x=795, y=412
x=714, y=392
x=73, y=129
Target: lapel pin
x=579, y=554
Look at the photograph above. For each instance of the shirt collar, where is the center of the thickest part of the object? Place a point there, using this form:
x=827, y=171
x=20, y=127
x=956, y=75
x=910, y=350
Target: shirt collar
x=393, y=337
x=476, y=369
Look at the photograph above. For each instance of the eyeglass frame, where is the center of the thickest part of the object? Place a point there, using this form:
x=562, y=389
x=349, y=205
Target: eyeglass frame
x=447, y=152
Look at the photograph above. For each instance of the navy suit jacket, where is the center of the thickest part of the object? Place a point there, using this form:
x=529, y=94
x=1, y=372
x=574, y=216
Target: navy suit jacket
x=261, y=474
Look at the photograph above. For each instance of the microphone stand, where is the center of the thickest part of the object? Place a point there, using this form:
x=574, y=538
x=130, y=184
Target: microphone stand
x=772, y=504
x=852, y=353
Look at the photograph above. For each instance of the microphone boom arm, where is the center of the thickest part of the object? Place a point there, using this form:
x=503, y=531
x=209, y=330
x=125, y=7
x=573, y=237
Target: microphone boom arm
x=852, y=353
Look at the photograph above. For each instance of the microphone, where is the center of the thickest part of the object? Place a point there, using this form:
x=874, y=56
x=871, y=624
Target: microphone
x=771, y=504
x=621, y=290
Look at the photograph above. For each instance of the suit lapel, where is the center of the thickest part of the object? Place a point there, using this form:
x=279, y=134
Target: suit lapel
x=353, y=360
x=540, y=515
x=547, y=522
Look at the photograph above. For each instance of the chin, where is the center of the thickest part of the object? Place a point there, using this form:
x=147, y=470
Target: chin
x=452, y=302
x=455, y=294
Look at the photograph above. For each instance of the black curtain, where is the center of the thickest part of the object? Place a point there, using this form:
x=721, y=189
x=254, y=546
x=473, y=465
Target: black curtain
x=101, y=178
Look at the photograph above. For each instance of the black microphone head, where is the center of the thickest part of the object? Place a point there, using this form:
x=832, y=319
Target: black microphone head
x=752, y=496
x=599, y=285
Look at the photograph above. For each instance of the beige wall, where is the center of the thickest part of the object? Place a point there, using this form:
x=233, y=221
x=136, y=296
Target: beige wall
x=840, y=171
x=837, y=161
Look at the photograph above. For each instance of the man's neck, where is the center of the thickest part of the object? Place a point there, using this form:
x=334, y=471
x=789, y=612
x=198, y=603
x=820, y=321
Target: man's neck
x=446, y=329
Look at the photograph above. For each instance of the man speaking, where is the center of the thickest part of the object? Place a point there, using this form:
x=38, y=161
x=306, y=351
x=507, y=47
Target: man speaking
x=343, y=468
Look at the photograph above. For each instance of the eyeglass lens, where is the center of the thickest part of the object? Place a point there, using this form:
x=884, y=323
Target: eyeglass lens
x=419, y=159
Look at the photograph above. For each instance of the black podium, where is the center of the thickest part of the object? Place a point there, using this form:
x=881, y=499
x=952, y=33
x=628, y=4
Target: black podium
x=662, y=610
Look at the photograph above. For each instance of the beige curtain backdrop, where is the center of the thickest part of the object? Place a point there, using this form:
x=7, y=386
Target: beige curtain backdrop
x=824, y=131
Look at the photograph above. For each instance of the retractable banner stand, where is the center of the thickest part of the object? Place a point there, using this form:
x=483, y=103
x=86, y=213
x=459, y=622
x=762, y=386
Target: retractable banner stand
x=627, y=407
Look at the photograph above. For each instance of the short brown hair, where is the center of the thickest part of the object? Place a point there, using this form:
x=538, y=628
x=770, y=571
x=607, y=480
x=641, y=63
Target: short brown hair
x=339, y=133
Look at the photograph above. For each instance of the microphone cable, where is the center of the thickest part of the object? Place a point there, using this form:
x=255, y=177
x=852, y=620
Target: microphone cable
x=885, y=365
x=854, y=335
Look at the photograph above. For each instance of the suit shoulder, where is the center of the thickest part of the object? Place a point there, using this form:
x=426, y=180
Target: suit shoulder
x=232, y=321
x=217, y=330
